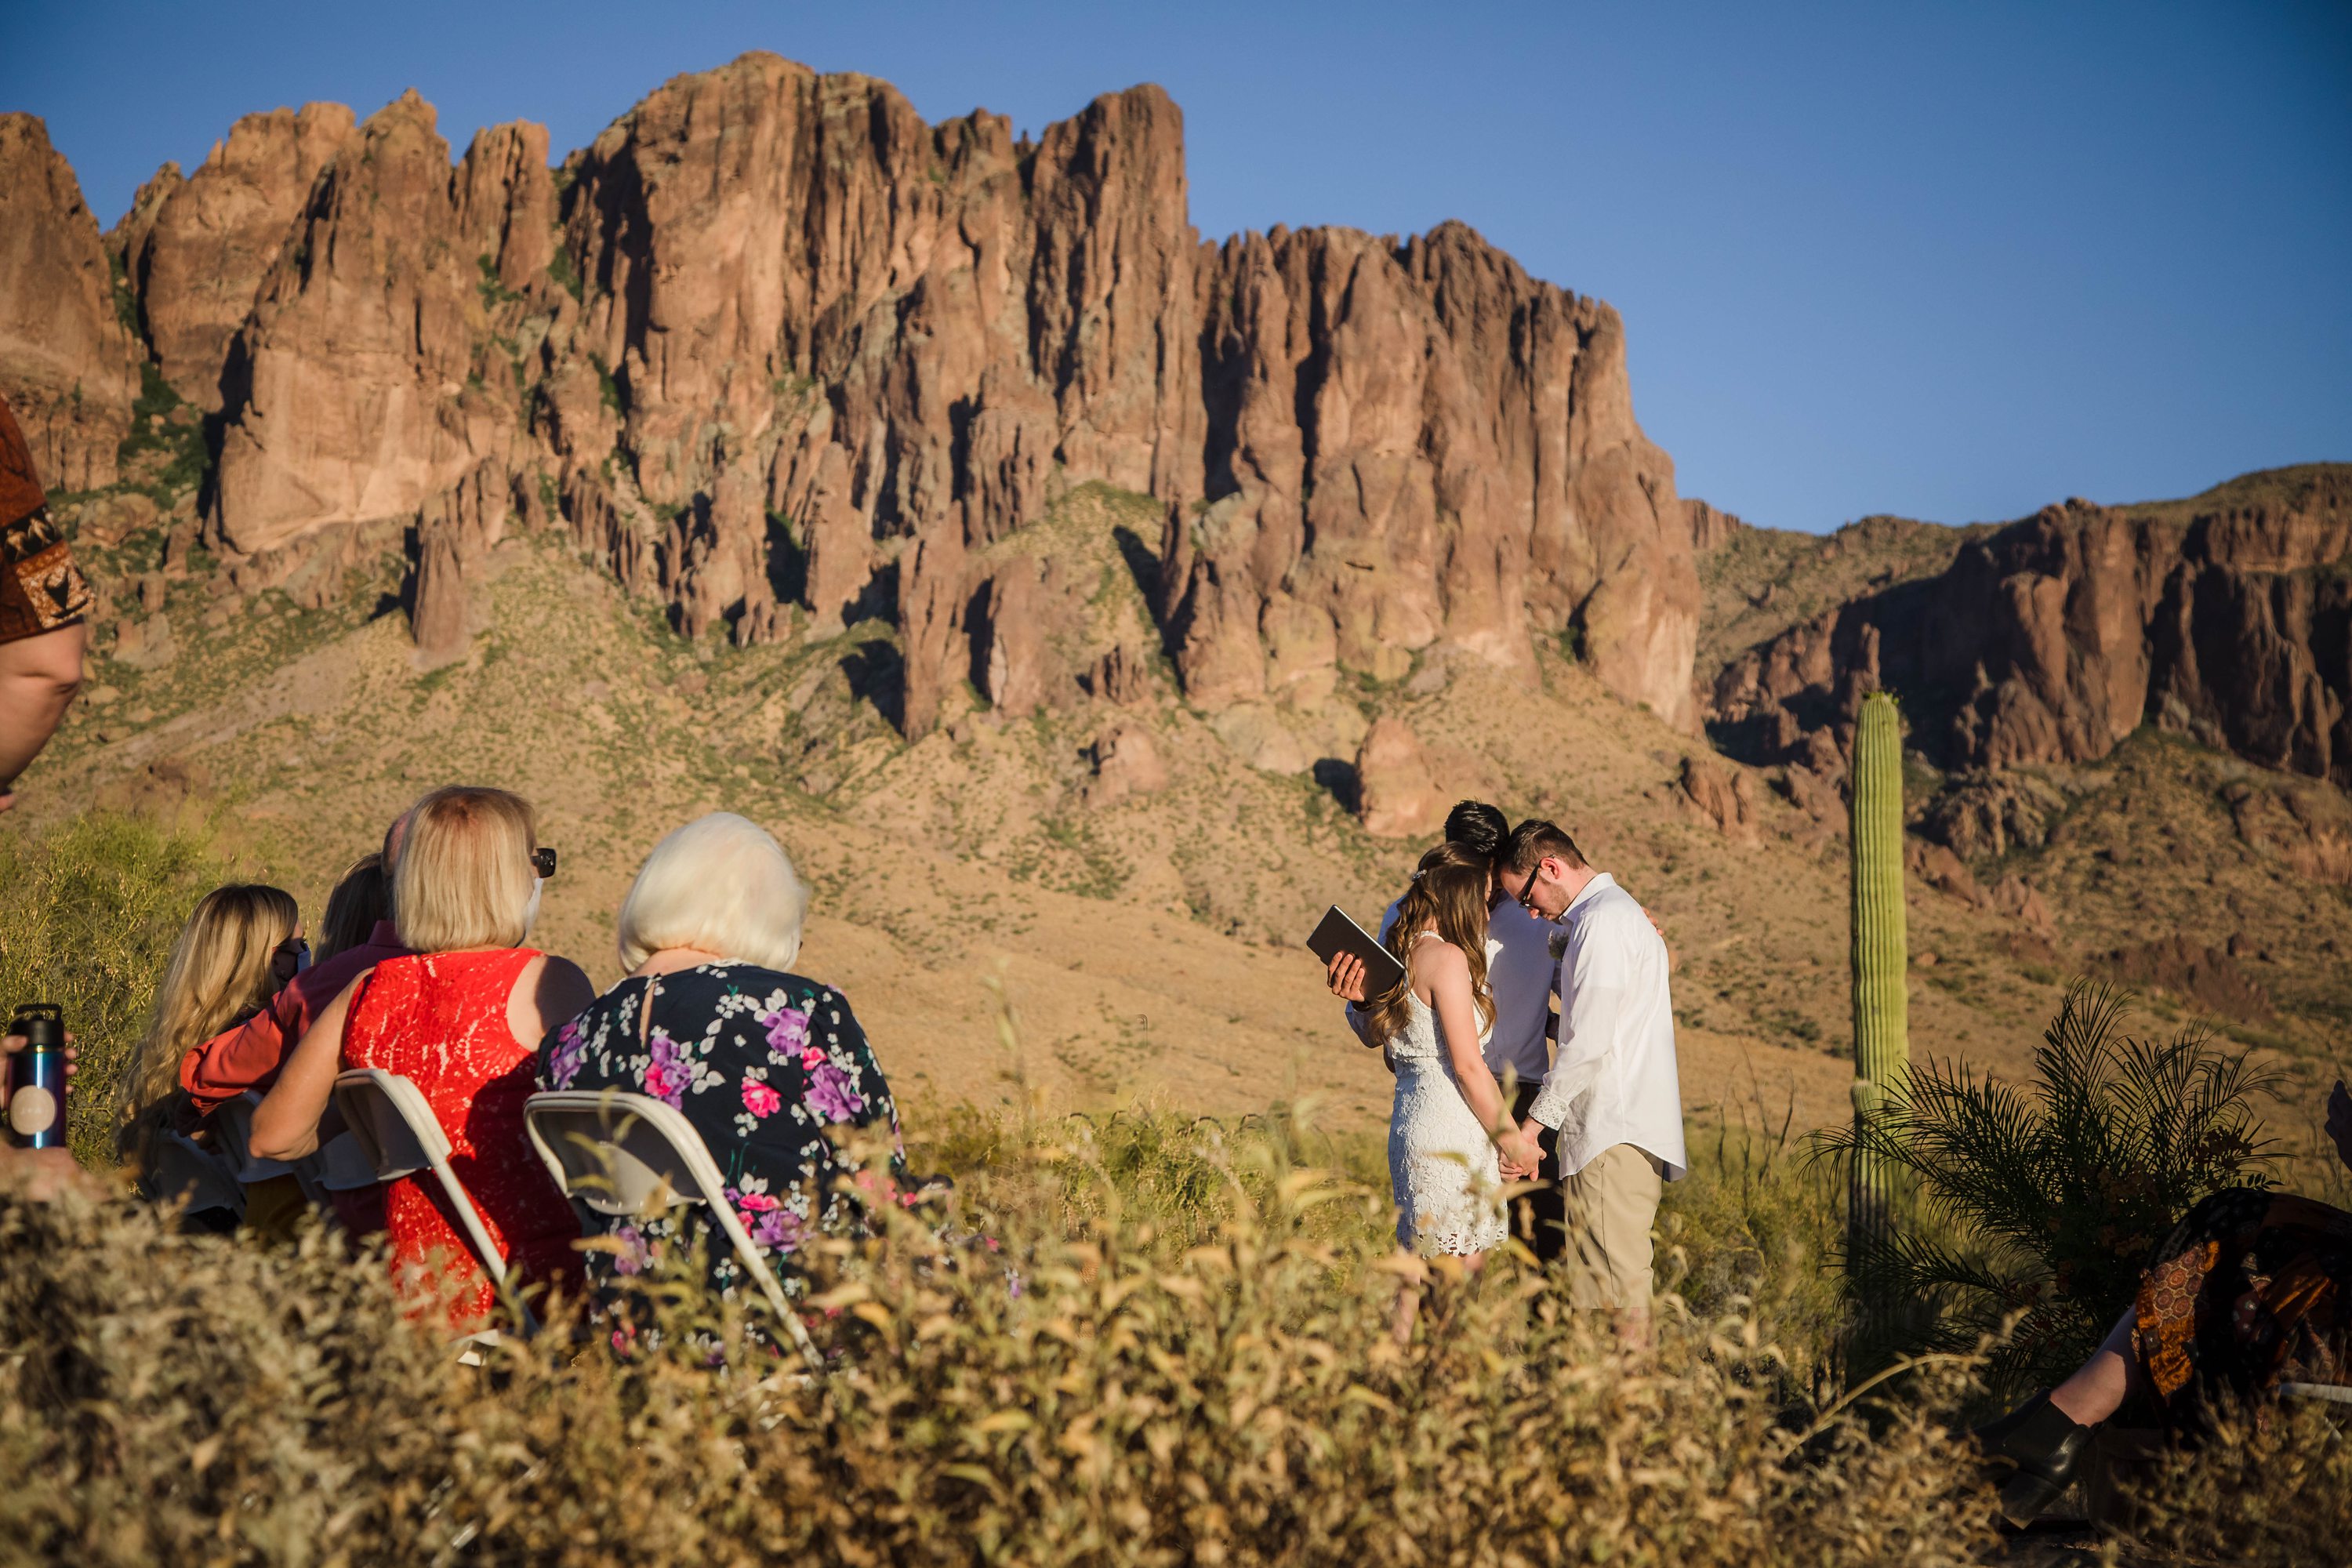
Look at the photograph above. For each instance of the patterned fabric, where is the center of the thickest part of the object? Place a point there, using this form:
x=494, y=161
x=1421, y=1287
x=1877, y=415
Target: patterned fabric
x=439, y=1019
x=771, y=1071
x=41, y=589
x=2252, y=1289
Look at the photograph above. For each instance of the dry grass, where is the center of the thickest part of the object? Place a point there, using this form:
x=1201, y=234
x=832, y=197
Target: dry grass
x=1203, y=1381
x=93, y=905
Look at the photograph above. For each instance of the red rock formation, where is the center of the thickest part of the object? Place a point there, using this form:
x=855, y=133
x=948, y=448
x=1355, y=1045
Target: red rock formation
x=2055, y=637
x=1413, y=444
x=783, y=336
x=1397, y=793
x=1710, y=529
x=196, y=250
x=360, y=387
x=1126, y=765
x=68, y=366
x=1725, y=797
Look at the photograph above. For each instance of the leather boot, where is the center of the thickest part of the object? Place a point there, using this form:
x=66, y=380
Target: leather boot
x=2033, y=1452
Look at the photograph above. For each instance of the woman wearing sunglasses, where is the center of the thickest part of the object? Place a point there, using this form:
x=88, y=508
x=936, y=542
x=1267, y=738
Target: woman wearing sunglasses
x=459, y=1017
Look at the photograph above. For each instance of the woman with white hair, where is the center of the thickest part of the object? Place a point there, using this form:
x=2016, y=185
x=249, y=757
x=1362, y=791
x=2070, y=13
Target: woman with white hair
x=771, y=1068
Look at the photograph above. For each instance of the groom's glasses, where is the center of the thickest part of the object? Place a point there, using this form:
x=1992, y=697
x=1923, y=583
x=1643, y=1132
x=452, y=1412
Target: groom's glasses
x=1525, y=895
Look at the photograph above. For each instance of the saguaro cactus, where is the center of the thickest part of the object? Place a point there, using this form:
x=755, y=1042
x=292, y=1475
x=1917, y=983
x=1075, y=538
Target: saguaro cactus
x=1882, y=1010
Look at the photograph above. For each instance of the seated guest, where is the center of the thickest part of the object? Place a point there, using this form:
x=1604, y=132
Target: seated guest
x=361, y=903
x=356, y=934
x=771, y=1068
x=218, y=1070
x=241, y=943
x=456, y=1016
x=2252, y=1289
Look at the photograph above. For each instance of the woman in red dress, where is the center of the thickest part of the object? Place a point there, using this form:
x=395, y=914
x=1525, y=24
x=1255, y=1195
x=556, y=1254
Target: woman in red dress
x=461, y=1019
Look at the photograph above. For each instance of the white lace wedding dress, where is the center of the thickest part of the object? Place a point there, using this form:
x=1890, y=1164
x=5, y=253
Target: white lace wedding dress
x=1442, y=1163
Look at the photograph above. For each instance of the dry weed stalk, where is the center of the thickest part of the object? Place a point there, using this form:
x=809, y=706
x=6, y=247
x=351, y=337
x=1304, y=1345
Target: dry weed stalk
x=1155, y=1388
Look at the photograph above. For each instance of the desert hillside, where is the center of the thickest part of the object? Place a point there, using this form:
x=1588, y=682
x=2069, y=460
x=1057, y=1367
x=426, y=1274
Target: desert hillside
x=1088, y=605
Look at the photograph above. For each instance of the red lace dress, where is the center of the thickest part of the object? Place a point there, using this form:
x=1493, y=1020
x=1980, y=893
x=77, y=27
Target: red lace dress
x=439, y=1019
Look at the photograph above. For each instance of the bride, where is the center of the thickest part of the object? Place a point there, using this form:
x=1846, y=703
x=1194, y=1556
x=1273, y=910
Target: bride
x=1449, y=1117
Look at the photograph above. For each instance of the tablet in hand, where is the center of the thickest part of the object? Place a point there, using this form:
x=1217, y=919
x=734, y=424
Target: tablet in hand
x=1337, y=934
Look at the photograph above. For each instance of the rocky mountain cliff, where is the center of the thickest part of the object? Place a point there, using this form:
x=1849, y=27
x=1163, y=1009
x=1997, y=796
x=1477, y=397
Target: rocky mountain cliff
x=2226, y=617
x=784, y=357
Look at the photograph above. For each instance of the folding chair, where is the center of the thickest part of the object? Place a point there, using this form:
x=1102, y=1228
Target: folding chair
x=631, y=1156
x=399, y=1135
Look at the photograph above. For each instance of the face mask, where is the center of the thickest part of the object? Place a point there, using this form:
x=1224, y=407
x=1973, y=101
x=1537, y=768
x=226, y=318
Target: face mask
x=531, y=909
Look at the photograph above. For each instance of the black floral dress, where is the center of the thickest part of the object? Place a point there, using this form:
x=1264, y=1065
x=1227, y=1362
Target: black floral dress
x=774, y=1073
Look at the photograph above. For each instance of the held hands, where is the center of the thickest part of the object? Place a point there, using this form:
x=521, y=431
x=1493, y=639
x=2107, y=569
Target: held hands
x=1345, y=977
x=1520, y=1156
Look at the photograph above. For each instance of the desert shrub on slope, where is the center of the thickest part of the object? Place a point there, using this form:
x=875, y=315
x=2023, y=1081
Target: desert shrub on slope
x=92, y=906
x=1151, y=1390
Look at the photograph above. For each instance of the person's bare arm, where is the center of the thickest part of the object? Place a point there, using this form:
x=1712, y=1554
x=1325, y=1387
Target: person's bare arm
x=286, y=1122
x=549, y=992
x=38, y=677
x=1447, y=974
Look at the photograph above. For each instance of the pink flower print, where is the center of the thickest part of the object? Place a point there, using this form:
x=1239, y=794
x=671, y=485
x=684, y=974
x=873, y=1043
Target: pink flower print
x=564, y=1057
x=779, y=1231
x=831, y=1094
x=667, y=1075
x=760, y=1100
x=633, y=1254
x=751, y=1203
x=788, y=1031
x=812, y=1060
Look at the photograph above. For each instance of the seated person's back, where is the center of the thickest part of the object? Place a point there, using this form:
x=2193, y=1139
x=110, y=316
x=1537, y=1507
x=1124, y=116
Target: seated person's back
x=771, y=1068
x=455, y=1016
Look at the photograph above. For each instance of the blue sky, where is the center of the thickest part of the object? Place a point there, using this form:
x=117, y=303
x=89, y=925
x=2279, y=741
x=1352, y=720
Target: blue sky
x=1950, y=261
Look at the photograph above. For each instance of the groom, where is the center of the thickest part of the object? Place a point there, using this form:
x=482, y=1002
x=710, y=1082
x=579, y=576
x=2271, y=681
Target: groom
x=1518, y=973
x=1611, y=1108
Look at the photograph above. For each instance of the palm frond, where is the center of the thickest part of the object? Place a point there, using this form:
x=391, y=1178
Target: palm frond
x=2034, y=1206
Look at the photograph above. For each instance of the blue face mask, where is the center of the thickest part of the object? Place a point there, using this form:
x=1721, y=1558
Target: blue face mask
x=531, y=909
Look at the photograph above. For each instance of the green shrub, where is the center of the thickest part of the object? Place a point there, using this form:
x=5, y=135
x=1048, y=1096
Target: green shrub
x=1752, y=1228
x=93, y=904
x=2037, y=1205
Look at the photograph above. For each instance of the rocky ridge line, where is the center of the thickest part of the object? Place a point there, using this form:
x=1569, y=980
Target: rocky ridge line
x=784, y=355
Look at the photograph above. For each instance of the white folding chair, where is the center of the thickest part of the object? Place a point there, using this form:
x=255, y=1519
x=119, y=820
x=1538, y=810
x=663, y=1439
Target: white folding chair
x=395, y=1130
x=186, y=1172
x=631, y=1156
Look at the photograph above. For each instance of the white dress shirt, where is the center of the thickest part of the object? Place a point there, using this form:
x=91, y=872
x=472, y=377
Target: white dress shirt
x=1520, y=968
x=1614, y=1081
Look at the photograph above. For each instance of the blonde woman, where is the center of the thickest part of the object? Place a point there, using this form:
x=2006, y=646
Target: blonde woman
x=458, y=1016
x=241, y=943
x=1449, y=1116
x=770, y=1068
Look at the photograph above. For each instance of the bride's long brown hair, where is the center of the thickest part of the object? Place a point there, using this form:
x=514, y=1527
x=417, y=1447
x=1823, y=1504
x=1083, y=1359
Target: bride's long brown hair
x=1448, y=892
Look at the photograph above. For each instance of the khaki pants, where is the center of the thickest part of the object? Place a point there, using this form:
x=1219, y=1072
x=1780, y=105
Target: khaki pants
x=1610, y=1206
